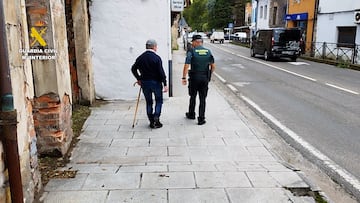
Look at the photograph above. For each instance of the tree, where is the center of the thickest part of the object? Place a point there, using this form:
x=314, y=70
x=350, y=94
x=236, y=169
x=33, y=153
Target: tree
x=220, y=13
x=196, y=15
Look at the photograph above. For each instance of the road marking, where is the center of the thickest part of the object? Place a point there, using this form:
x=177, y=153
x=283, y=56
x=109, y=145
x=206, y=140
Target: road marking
x=336, y=171
x=220, y=78
x=299, y=63
x=291, y=72
x=341, y=88
x=238, y=65
x=272, y=66
x=241, y=84
x=232, y=87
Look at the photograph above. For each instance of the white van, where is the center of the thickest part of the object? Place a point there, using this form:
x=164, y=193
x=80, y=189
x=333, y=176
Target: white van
x=217, y=36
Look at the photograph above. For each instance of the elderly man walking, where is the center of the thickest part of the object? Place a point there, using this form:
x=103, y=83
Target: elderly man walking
x=150, y=75
x=202, y=65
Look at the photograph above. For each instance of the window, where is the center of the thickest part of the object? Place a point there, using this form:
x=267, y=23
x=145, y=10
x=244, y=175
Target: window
x=346, y=36
x=265, y=12
x=274, y=15
x=261, y=11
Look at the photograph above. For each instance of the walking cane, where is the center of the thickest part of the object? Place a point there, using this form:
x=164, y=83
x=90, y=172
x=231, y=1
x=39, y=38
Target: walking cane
x=137, y=105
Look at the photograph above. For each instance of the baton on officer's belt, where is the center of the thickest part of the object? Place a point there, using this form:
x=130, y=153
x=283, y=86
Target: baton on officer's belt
x=137, y=105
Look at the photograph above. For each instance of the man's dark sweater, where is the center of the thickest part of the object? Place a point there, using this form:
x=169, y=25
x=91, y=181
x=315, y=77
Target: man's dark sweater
x=149, y=65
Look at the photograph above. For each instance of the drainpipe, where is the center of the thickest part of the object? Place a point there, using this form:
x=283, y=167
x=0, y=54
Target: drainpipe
x=8, y=119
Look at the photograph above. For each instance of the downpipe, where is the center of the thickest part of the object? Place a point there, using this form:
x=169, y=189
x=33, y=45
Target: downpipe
x=8, y=118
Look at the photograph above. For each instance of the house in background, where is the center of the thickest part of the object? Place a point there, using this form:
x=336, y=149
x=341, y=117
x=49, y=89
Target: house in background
x=262, y=16
x=338, y=25
x=302, y=14
x=277, y=12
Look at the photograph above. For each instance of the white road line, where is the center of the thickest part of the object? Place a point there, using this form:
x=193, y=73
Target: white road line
x=220, y=78
x=232, y=88
x=341, y=88
x=326, y=161
x=272, y=66
x=291, y=72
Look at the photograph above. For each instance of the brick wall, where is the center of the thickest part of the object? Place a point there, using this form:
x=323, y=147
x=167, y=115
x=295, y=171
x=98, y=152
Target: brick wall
x=52, y=120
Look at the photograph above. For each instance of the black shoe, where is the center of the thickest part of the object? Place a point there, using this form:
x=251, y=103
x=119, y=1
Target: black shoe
x=157, y=123
x=201, y=121
x=190, y=115
x=152, y=124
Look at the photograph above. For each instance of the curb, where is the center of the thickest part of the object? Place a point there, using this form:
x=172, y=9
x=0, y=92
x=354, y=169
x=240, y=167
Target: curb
x=334, y=171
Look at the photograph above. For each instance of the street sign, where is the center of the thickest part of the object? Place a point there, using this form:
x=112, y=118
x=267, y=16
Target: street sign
x=177, y=5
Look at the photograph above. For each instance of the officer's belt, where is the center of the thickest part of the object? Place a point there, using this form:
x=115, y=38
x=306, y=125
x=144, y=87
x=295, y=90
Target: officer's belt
x=198, y=72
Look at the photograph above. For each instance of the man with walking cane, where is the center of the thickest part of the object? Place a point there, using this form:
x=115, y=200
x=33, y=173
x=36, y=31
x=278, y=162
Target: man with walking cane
x=150, y=75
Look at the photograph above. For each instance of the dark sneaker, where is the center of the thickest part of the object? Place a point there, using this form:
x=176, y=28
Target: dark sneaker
x=190, y=115
x=152, y=125
x=157, y=123
x=201, y=121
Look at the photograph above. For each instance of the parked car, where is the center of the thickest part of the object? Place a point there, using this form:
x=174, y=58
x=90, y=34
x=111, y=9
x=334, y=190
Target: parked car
x=239, y=36
x=217, y=37
x=276, y=43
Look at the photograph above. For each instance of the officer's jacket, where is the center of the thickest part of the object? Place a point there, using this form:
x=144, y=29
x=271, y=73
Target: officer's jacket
x=200, y=59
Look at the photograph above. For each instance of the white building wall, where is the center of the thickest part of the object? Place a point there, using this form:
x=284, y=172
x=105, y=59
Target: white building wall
x=327, y=26
x=330, y=6
x=263, y=14
x=333, y=14
x=119, y=30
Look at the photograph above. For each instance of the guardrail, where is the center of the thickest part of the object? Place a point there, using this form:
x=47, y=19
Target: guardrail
x=339, y=52
x=335, y=53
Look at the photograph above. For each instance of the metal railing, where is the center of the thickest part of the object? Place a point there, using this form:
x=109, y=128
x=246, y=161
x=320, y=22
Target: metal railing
x=339, y=52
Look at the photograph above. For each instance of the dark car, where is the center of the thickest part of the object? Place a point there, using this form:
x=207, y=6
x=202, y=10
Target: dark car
x=277, y=43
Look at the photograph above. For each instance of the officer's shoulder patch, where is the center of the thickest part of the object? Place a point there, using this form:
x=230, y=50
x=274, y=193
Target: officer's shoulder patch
x=202, y=51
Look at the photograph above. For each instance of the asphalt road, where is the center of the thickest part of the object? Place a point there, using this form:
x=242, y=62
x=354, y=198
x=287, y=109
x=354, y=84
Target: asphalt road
x=319, y=102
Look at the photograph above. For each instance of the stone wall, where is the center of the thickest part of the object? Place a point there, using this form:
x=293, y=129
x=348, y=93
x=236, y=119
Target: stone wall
x=17, y=37
x=53, y=128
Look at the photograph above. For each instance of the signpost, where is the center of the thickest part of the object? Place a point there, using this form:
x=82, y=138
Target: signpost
x=177, y=5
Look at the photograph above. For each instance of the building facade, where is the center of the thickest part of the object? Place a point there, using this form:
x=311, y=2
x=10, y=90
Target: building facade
x=118, y=36
x=45, y=56
x=303, y=14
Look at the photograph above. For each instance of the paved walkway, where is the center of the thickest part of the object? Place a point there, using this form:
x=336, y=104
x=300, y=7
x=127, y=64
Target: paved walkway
x=221, y=161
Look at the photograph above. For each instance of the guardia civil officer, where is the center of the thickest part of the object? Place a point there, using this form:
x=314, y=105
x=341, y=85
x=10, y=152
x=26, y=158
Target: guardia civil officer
x=201, y=63
x=152, y=79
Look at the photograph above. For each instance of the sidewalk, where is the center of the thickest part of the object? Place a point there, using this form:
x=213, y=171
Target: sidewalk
x=221, y=161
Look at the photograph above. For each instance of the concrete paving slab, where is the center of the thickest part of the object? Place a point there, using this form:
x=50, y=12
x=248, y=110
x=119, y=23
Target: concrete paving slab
x=168, y=180
x=112, y=181
x=66, y=184
x=75, y=196
x=137, y=196
x=147, y=151
x=143, y=169
x=130, y=142
x=193, y=167
x=197, y=196
x=221, y=179
x=92, y=168
x=256, y=195
x=261, y=179
x=199, y=141
x=170, y=142
x=91, y=154
x=289, y=179
x=115, y=135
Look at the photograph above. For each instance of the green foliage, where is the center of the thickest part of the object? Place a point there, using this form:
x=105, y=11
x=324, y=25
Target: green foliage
x=196, y=15
x=220, y=14
x=204, y=15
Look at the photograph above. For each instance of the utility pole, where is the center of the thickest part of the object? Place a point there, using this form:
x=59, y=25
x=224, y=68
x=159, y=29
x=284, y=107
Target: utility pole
x=8, y=118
